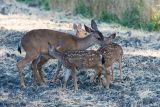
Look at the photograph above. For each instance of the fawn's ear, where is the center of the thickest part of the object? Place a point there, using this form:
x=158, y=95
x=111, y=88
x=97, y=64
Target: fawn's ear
x=75, y=26
x=112, y=36
x=89, y=30
x=94, y=25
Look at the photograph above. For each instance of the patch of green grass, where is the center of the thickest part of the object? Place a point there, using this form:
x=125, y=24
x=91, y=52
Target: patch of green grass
x=155, y=22
x=82, y=9
x=39, y=3
x=108, y=17
x=131, y=18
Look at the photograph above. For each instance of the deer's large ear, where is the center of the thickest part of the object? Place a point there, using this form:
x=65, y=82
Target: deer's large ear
x=94, y=25
x=87, y=29
x=112, y=36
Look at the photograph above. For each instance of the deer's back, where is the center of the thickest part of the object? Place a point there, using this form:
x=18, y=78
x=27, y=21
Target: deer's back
x=111, y=53
x=83, y=59
x=38, y=40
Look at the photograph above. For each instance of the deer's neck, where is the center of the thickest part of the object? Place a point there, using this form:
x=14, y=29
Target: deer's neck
x=85, y=42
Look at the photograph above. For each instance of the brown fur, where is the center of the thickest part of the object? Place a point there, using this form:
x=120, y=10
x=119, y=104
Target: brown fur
x=78, y=59
x=80, y=32
x=36, y=41
x=111, y=53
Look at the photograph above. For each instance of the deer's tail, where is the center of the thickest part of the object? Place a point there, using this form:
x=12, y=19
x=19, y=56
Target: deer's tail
x=19, y=48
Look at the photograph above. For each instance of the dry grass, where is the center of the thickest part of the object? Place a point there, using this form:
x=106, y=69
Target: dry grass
x=148, y=8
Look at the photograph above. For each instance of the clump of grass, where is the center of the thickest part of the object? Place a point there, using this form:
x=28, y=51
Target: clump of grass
x=131, y=18
x=108, y=17
x=37, y=3
x=153, y=24
x=83, y=9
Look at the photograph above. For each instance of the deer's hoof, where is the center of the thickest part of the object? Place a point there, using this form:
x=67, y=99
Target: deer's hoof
x=23, y=86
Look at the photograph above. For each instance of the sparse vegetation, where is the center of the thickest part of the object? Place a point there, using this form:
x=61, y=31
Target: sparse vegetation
x=81, y=8
x=108, y=17
x=141, y=60
x=132, y=17
x=134, y=14
x=37, y=3
x=154, y=23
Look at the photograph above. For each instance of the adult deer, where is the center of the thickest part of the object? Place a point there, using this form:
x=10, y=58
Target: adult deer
x=36, y=41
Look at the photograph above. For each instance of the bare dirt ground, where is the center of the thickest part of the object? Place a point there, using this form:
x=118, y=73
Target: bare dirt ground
x=141, y=64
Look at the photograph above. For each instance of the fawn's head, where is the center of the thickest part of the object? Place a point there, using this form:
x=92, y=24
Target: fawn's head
x=80, y=32
x=97, y=36
x=109, y=39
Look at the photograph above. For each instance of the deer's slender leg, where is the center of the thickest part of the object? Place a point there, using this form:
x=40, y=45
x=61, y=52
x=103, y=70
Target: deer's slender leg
x=20, y=66
x=43, y=60
x=92, y=78
x=112, y=69
x=36, y=73
x=98, y=73
x=120, y=68
x=59, y=65
x=66, y=77
x=107, y=75
x=74, y=76
x=33, y=74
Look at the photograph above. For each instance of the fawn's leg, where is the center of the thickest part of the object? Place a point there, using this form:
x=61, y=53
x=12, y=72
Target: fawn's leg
x=107, y=75
x=112, y=68
x=92, y=78
x=120, y=68
x=20, y=65
x=59, y=65
x=66, y=77
x=98, y=72
x=74, y=76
